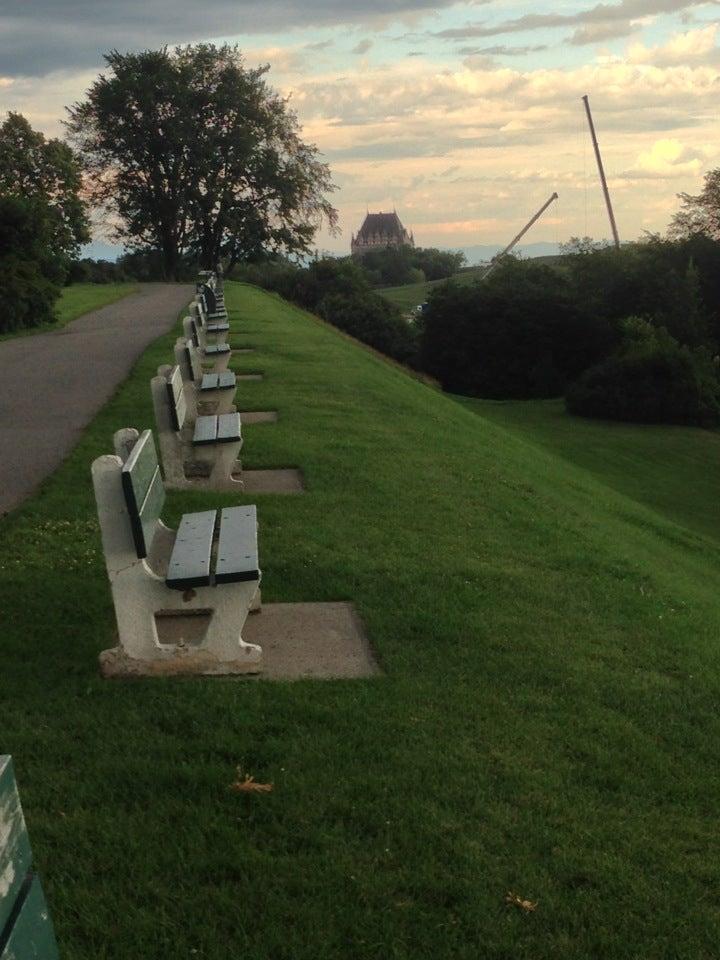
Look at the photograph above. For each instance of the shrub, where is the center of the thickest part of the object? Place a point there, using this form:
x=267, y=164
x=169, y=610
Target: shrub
x=31, y=274
x=651, y=380
x=518, y=334
x=374, y=320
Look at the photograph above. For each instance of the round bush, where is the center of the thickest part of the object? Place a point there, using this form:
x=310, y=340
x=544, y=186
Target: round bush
x=658, y=384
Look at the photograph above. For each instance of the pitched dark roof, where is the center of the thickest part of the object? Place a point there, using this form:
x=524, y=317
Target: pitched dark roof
x=384, y=224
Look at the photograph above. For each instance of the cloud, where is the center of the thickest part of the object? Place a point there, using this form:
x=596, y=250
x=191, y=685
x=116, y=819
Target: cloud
x=599, y=32
x=362, y=47
x=681, y=48
x=39, y=37
x=666, y=159
x=601, y=13
x=501, y=50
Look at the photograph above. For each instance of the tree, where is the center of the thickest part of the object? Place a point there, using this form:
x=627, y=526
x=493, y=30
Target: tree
x=46, y=171
x=197, y=154
x=699, y=214
x=31, y=270
x=519, y=334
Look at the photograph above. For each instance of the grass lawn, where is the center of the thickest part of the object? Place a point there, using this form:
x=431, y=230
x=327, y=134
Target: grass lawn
x=547, y=722
x=674, y=470
x=81, y=298
x=410, y=295
x=77, y=299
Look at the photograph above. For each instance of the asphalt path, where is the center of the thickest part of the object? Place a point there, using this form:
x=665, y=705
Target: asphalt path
x=53, y=384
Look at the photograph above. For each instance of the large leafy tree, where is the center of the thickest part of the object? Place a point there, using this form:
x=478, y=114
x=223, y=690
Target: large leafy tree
x=194, y=153
x=700, y=214
x=31, y=270
x=47, y=173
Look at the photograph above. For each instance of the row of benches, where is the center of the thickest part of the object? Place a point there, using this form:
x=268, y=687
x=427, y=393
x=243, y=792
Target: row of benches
x=207, y=567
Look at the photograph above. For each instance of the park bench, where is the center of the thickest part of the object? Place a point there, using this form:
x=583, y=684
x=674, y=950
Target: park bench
x=214, y=302
x=26, y=930
x=217, y=387
x=215, y=323
x=208, y=566
x=218, y=353
x=210, y=444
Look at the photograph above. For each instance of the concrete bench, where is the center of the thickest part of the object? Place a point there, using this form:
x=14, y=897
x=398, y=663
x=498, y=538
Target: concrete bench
x=214, y=322
x=208, y=566
x=212, y=443
x=217, y=353
x=216, y=388
x=26, y=930
x=213, y=302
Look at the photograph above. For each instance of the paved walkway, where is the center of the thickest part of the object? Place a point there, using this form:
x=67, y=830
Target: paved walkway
x=53, y=384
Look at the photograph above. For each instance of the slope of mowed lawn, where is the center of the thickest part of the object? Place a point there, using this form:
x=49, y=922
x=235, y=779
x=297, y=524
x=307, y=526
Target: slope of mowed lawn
x=547, y=721
x=81, y=298
x=76, y=300
x=674, y=470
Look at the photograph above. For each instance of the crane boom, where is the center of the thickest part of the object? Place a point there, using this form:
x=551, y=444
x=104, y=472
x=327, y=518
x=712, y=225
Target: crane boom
x=498, y=257
x=601, y=171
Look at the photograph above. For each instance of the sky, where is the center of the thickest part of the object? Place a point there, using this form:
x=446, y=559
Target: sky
x=464, y=117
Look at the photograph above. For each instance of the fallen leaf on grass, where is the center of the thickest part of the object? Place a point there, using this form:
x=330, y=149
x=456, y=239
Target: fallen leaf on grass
x=248, y=785
x=514, y=900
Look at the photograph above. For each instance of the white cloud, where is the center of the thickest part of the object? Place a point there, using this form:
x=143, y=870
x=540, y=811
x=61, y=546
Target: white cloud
x=681, y=48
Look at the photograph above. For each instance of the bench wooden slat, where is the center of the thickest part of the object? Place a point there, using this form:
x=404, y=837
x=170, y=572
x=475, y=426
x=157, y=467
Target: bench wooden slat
x=213, y=348
x=144, y=491
x=206, y=429
x=32, y=936
x=194, y=331
x=228, y=427
x=15, y=853
x=237, y=556
x=189, y=564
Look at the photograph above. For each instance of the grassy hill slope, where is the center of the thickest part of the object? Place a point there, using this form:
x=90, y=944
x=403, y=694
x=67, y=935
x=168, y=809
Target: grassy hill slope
x=410, y=295
x=674, y=470
x=547, y=722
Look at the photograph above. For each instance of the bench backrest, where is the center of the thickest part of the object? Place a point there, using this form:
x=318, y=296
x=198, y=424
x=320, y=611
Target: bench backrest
x=190, y=329
x=209, y=296
x=25, y=926
x=188, y=360
x=144, y=491
x=176, y=398
x=198, y=312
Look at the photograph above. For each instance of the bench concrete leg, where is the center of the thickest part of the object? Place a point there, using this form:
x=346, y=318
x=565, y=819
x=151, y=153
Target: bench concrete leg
x=226, y=461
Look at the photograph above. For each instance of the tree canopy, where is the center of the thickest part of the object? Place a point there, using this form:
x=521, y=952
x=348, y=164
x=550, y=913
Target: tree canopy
x=31, y=270
x=196, y=154
x=46, y=171
x=699, y=214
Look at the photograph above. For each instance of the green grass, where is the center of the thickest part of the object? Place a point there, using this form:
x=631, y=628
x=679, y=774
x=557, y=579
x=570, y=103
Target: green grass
x=76, y=300
x=81, y=298
x=410, y=295
x=547, y=722
x=674, y=470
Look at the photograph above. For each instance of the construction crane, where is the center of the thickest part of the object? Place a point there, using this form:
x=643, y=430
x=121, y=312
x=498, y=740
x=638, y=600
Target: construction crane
x=603, y=181
x=499, y=256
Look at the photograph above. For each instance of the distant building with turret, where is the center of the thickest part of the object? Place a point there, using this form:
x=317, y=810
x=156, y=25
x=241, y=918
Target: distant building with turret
x=380, y=230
